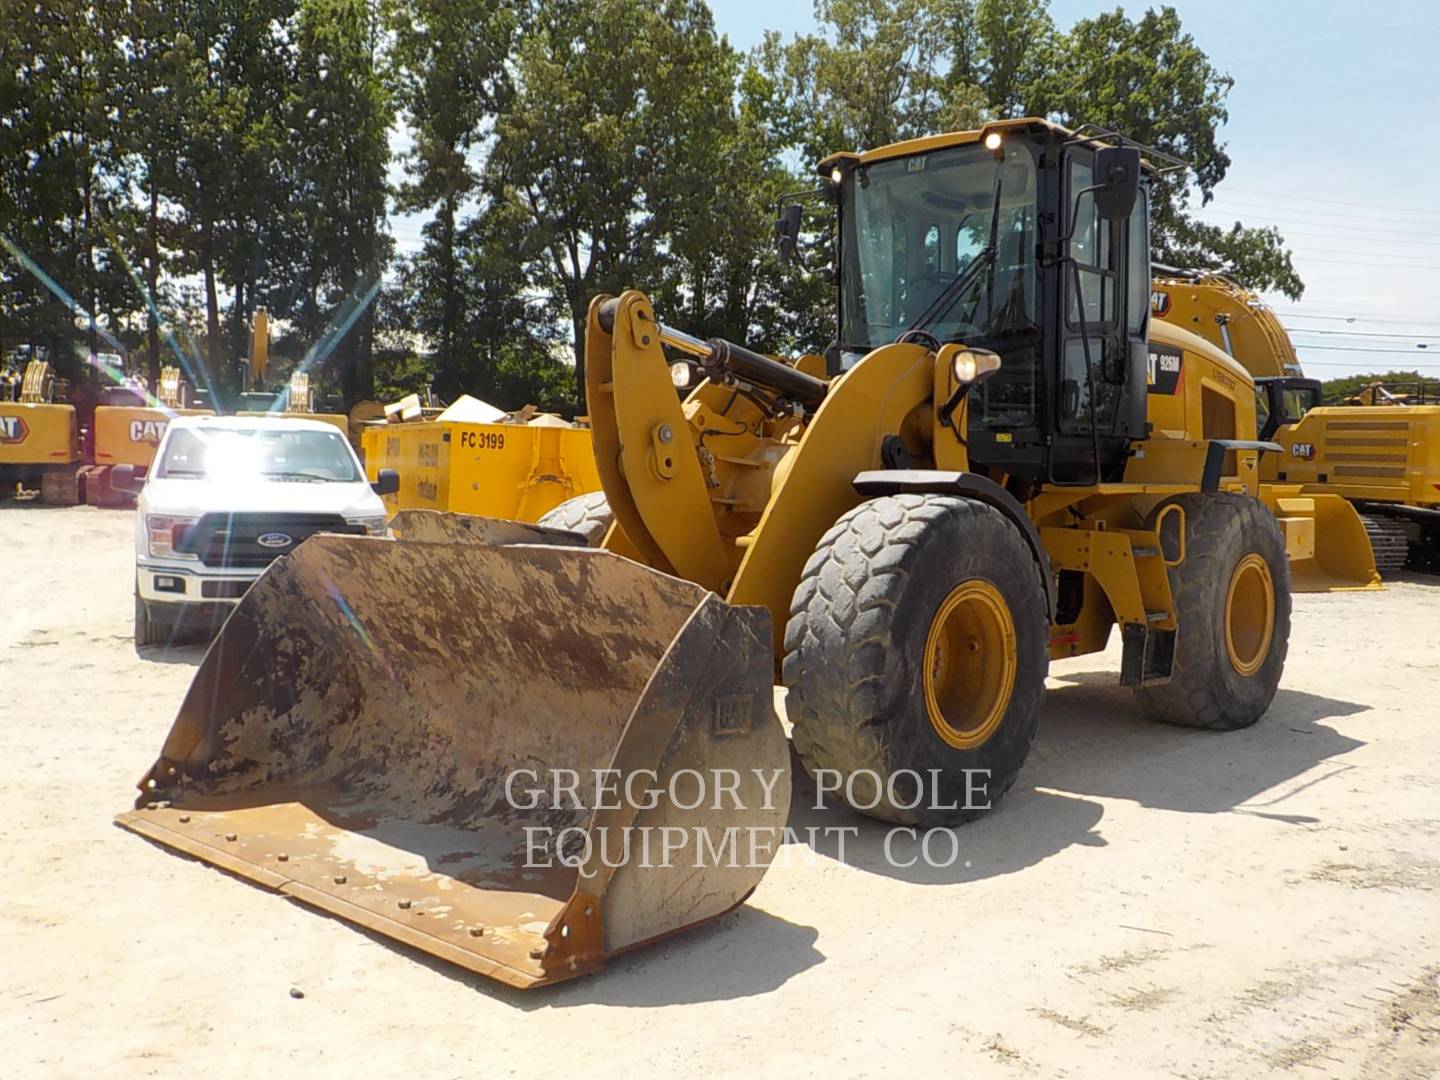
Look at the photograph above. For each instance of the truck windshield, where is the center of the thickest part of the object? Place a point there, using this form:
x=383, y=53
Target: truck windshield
x=911, y=227
x=256, y=454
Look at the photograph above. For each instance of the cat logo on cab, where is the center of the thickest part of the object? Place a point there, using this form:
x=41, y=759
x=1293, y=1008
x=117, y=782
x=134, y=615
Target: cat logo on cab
x=1303, y=450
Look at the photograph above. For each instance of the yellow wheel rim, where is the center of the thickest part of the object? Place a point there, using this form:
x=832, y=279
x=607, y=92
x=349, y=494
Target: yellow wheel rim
x=969, y=665
x=1249, y=614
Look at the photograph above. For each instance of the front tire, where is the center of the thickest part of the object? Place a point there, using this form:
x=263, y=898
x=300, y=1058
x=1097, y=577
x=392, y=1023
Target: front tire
x=589, y=515
x=915, y=658
x=148, y=629
x=1232, y=604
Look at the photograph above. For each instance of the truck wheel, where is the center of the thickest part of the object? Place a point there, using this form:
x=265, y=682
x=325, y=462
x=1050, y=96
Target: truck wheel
x=915, y=657
x=148, y=629
x=587, y=514
x=1232, y=603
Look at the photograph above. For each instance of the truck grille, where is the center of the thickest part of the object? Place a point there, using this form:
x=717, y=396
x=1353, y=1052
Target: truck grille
x=233, y=540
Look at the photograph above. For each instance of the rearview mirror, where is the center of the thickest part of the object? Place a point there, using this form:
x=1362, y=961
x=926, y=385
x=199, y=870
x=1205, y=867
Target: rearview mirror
x=386, y=482
x=1117, y=178
x=787, y=233
x=127, y=478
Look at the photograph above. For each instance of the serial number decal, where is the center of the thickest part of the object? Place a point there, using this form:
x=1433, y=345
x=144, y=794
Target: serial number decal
x=482, y=440
x=1164, y=369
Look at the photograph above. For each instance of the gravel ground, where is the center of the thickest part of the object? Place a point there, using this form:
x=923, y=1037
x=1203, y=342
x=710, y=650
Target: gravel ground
x=1149, y=901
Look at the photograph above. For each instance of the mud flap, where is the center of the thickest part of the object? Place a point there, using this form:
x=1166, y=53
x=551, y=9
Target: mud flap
x=1326, y=540
x=491, y=753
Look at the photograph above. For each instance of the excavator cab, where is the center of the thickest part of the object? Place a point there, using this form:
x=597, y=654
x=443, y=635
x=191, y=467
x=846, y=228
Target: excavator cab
x=1284, y=400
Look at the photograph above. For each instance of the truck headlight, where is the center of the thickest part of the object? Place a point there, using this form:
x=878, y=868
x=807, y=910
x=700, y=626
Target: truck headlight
x=164, y=533
x=374, y=523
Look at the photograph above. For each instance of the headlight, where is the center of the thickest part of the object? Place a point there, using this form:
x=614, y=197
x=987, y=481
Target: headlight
x=163, y=534
x=374, y=523
x=972, y=365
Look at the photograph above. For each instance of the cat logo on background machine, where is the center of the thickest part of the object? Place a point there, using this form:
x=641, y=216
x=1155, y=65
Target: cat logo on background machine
x=13, y=429
x=147, y=431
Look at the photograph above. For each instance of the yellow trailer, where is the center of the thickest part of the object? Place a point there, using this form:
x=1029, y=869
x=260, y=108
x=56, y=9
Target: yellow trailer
x=507, y=470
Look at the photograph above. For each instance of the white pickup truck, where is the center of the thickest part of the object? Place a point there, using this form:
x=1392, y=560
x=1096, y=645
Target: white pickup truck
x=224, y=498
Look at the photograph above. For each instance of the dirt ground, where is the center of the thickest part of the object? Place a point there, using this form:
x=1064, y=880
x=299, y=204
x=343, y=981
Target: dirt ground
x=1148, y=901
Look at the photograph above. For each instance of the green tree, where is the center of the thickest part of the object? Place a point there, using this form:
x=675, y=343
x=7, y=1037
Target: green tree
x=871, y=76
x=1145, y=78
x=340, y=116
x=447, y=64
x=589, y=139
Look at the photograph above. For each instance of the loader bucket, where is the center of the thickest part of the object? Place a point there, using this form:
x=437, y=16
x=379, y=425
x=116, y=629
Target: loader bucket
x=407, y=734
x=1329, y=548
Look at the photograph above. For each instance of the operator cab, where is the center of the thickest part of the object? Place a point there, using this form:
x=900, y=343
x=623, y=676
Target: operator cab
x=1006, y=239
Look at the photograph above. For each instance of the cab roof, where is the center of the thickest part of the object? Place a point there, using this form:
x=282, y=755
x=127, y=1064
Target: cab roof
x=1027, y=124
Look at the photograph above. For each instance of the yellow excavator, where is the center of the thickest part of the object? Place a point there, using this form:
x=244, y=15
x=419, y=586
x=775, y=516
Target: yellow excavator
x=525, y=753
x=39, y=437
x=1382, y=453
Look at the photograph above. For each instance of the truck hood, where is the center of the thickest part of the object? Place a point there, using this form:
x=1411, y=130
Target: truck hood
x=192, y=497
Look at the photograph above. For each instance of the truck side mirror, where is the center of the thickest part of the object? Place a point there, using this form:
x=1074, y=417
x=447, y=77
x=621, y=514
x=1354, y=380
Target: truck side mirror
x=386, y=482
x=127, y=478
x=787, y=233
x=1117, y=176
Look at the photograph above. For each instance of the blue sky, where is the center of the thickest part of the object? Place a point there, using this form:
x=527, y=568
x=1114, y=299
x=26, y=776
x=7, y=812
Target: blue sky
x=1334, y=136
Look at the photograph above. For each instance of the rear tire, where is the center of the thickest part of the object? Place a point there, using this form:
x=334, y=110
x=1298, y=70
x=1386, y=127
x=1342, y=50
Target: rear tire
x=1232, y=603
x=589, y=515
x=917, y=641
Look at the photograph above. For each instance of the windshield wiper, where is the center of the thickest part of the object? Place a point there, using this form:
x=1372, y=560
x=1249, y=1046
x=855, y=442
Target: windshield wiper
x=296, y=476
x=950, y=295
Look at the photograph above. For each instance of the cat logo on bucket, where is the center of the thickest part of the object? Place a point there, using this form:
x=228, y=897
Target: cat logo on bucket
x=1159, y=303
x=13, y=429
x=147, y=431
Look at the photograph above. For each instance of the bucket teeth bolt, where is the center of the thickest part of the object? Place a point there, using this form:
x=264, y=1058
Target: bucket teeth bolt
x=538, y=954
x=477, y=931
x=184, y=819
x=405, y=905
x=340, y=879
x=283, y=857
x=230, y=836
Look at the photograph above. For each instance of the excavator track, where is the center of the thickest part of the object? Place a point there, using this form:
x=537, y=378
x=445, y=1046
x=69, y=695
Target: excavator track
x=1389, y=541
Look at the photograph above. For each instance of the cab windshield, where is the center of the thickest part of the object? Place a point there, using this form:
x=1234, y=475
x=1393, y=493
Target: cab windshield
x=222, y=453
x=911, y=227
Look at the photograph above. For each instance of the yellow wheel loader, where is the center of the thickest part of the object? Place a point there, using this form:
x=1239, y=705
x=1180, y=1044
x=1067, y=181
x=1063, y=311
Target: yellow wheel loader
x=998, y=465
x=1382, y=454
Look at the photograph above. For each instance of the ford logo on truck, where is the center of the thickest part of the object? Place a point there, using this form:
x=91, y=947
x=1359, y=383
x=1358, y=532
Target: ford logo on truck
x=273, y=540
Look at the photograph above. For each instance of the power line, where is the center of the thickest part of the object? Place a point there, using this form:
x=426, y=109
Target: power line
x=1355, y=333
x=1319, y=213
x=1334, y=202
x=1292, y=313
x=1352, y=348
x=1351, y=367
x=1287, y=221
